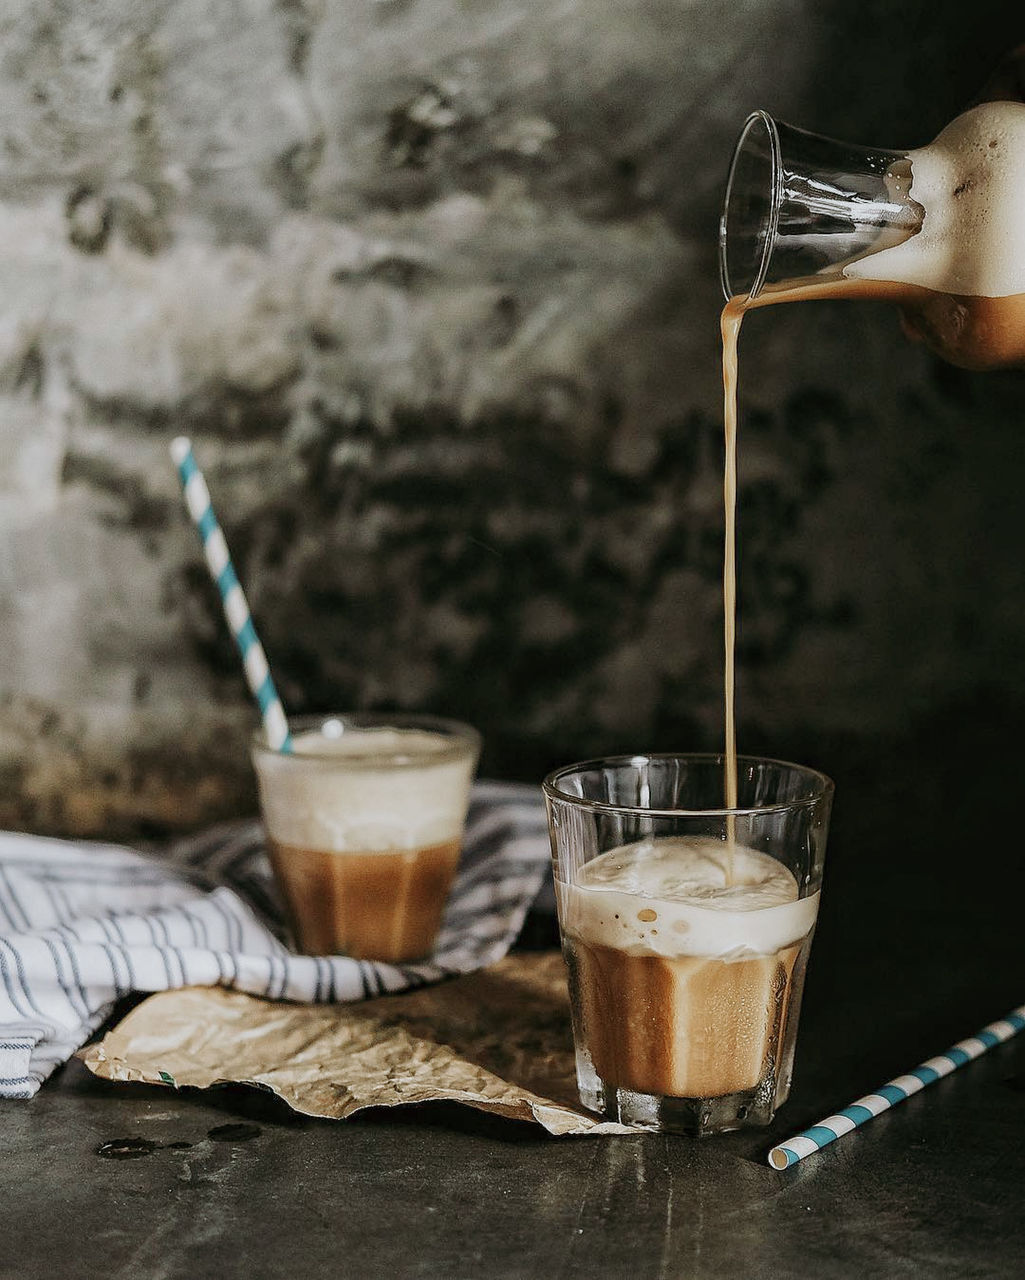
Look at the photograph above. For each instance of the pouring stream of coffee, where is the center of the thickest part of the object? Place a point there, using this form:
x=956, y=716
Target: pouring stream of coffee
x=731, y=320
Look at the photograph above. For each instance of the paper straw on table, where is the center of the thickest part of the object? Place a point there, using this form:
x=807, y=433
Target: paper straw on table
x=858, y=1113
x=236, y=607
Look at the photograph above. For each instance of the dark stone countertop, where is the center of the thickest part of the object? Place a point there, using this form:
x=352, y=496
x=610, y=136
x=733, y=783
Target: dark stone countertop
x=915, y=950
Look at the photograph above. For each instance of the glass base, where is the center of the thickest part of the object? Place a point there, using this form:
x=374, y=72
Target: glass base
x=694, y=1116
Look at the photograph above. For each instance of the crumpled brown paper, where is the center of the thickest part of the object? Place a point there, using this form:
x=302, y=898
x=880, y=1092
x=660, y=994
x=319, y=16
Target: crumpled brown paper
x=498, y=1040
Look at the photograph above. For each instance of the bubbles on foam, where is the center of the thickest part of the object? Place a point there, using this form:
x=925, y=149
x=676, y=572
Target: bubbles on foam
x=672, y=897
x=971, y=183
x=693, y=869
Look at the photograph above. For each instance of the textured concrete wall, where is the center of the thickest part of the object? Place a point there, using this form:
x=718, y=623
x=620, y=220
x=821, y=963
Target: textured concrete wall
x=432, y=284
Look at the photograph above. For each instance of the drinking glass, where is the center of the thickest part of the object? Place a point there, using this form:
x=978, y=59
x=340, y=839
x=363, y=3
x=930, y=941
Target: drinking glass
x=364, y=821
x=685, y=977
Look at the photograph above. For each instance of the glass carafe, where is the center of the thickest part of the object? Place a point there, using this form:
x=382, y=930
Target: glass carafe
x=799, y=207
x=806, y=216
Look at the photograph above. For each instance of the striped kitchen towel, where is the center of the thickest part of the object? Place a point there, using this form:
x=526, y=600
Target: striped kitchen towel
x=83, y=924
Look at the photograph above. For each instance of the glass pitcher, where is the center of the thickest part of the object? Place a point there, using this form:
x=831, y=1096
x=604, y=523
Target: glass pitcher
x=805, y=215
x=799, y=207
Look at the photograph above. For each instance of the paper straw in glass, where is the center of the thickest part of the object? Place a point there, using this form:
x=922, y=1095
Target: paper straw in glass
x=236, y=607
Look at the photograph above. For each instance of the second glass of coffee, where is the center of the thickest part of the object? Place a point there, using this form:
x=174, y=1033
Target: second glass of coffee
x=364, y=822
x=686, y=929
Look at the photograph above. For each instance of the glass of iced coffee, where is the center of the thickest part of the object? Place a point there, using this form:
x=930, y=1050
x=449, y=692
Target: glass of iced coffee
x=364, y=822
x=686, y=928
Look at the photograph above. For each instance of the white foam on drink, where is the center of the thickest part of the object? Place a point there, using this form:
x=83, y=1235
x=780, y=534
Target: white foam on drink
x=375, y=746
x=366, y=790
x=673, y=897
x=971, y=183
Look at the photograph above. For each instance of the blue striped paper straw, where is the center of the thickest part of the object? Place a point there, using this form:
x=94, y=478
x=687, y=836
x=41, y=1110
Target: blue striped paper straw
x=858, y=1113
x=236, y=607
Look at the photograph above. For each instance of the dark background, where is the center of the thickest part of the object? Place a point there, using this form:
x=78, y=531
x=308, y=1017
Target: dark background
x=433, y=287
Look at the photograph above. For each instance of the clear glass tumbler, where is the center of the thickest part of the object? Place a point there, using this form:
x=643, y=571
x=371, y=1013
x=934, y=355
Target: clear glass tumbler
x=686, y=929
x=364, y=822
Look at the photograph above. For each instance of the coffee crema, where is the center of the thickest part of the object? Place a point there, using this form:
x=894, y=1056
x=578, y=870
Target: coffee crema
x=686, y=960
x=367, y=789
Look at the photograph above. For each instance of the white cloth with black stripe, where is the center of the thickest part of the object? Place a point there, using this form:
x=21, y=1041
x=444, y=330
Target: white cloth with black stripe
x=83, y=924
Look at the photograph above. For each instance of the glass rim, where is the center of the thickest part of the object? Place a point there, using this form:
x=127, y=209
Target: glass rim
x=465, y=740
x=772, y=221
x=824, y=791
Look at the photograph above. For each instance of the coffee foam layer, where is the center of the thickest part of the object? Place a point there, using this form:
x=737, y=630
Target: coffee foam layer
x=676, y=897
x=403, y=746
x=971, y=183
x=366, y=790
